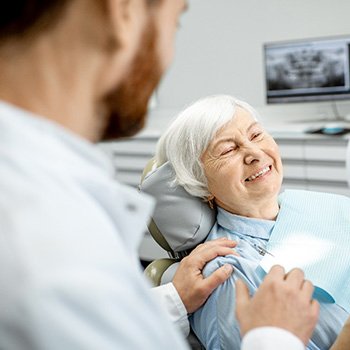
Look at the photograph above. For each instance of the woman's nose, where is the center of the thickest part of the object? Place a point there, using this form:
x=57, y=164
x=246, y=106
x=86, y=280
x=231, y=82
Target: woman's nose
x=252, y=154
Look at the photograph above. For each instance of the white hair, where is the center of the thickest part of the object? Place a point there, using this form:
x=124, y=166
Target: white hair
x=190, y=134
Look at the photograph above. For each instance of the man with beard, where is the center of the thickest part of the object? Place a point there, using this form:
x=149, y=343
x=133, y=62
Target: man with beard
x=74, y=72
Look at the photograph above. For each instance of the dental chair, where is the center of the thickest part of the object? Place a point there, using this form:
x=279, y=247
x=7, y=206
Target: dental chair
x=180, y=222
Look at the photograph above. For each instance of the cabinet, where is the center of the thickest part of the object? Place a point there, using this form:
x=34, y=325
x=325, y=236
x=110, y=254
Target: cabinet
x=131, y=156
x=314, y=162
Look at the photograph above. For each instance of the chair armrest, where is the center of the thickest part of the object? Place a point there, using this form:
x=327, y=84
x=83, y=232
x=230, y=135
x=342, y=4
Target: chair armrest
x=154, y=271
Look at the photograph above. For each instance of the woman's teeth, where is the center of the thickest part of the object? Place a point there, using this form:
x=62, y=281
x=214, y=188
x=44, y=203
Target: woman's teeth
x=260, y=173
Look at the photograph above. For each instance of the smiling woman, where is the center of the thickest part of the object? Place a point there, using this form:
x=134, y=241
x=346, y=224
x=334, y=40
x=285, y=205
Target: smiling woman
x=222, y=154
x=245, y=159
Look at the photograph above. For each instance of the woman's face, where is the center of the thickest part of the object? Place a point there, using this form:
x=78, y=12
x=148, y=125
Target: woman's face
x=243, y=166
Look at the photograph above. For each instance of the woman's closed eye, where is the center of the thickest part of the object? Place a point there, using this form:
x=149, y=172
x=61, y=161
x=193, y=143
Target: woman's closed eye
x=227, y=150
x=256, y=136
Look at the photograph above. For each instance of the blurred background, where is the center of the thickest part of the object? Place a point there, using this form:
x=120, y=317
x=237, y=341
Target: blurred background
x=220, y=49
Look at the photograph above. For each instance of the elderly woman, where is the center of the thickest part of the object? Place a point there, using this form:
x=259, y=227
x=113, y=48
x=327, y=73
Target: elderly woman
x=221, y=153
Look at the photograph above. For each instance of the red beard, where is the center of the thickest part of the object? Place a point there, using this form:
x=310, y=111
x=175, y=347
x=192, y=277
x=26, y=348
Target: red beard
x=127, y=105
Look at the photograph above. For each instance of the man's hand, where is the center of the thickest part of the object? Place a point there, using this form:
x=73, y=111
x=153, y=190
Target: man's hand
x=189, y=282
x=283, y=301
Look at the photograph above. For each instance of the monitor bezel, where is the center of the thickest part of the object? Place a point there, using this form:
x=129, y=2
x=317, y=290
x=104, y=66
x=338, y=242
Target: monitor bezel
x=303, y=98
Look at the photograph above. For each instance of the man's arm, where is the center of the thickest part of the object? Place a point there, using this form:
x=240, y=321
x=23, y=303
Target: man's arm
x=271, y=338
x=282, y=303
x=167, y=296
x=189, y=282
x=190, y=289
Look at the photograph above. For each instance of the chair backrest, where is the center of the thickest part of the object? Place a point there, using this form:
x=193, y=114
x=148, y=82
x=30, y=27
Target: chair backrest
x=180, y=221
x=152, y=227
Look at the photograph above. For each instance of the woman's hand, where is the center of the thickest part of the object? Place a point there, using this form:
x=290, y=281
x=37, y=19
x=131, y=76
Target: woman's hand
x=189, y=282
x=343, y=340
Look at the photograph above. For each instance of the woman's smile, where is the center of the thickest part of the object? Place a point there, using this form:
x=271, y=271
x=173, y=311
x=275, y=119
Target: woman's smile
x=246, y=179
x=260, y=174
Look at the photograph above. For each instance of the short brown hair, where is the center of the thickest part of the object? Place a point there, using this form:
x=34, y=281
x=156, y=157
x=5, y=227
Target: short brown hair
x=26, y=18
x=20, y=18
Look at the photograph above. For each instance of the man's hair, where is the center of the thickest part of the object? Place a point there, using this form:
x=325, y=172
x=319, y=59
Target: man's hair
x=22, y=18
x=25, y=18
x=153, y=2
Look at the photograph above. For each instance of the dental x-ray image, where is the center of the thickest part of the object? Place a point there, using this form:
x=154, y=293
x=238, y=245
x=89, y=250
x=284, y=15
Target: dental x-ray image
x=307, y=68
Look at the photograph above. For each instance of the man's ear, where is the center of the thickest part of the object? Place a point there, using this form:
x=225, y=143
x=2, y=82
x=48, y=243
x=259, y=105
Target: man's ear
x=127, y=20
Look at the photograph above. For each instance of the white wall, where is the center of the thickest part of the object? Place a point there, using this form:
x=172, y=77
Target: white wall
x=219, y=50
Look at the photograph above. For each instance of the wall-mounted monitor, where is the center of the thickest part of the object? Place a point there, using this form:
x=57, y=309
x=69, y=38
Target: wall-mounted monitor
x=307, y=70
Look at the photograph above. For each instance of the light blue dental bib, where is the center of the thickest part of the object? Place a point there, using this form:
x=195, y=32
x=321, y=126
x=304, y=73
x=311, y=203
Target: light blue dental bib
x=312, y=232
x=215, y=323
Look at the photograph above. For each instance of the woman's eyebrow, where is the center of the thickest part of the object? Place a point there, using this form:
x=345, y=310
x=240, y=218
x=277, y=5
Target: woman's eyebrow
x=223, y=140
x=231, y=139
x=252, y=125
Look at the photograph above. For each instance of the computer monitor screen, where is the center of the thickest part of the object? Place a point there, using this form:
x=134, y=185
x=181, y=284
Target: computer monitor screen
x=307, y=70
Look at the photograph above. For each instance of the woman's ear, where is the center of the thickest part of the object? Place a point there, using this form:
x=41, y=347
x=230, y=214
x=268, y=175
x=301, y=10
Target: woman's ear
x=210, y=200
